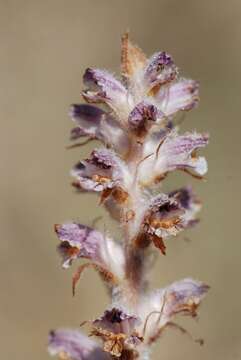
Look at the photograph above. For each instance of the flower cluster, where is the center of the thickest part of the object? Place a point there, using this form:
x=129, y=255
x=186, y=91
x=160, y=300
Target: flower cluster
x=136, y=120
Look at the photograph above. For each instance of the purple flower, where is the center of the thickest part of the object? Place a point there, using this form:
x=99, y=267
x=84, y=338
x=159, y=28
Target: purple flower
x=95, y=123
x=117, y=330
x=166, y=215
x=105, y=255
x=184, y=296
x=189, y=201
x=71, y=344
x=173, y=152
x=101, y=171
x=142, y=117
x=161, y=306
x=88, y=119
x=79, y=241
x=102, y=87
x=179, y=96
x=160, y=70
x=117, y=321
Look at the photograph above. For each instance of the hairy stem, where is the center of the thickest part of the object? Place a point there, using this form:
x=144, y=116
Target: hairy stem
x=134, y=254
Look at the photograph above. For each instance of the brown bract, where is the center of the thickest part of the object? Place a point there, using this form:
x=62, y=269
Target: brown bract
x=108, y=277
x=132, y=57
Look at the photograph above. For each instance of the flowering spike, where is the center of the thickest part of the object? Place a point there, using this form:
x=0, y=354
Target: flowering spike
x=141, y=144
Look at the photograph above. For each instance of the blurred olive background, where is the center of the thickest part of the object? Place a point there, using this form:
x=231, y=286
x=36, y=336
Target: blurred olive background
x=45, y=47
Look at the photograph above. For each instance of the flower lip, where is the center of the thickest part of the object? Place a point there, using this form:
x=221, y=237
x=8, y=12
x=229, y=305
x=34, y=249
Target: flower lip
x=96, y=123
x=103, y=79
x=103, y=170
x=185, y=296
x=86, y=112
x=181, y=297
x=167, y=215
x=78, y=241
x=160, y=69
x=102, y=159
x=185, y=196
x=77, y=132
x=142, y=117
x=164, y=204
x=117, y=330
x=117, y=321
x=103, y=87
x=174, y=152
x=88, y=119
x=72, y=344
x=181, y=95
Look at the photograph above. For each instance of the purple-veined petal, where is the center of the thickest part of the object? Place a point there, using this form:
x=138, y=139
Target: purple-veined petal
x=182, y=95
x=79, y=241
x=173, y=152
x=166, y=215
x=117, y=321
x=177, y=152
x=95, y=123
x=101, y=171
x=71, y=344
x=160, y=70
x=172, y=212
x=183, y=297
x=87, y=119
x=103, y=87
x=189, y=201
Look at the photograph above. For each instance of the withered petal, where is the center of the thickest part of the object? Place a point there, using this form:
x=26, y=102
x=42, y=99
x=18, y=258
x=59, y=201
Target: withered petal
x=117, y=321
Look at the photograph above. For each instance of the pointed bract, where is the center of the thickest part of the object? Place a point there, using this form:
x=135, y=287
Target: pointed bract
x=132, y=57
